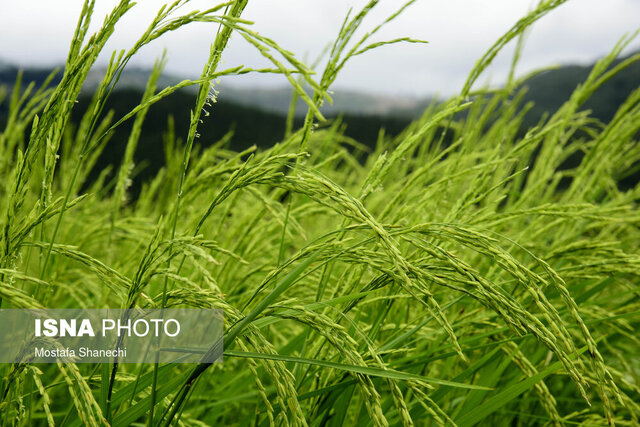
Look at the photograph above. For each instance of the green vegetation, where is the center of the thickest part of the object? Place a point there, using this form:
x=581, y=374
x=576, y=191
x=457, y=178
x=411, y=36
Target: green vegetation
x=456, y=274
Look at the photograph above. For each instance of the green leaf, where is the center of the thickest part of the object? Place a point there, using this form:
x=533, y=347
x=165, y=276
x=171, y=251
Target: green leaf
x=354, y=369
x=142, y=406
x=499, y=400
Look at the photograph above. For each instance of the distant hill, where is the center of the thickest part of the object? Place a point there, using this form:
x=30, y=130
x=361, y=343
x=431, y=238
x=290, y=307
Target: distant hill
x=275, y=100
x=344, y=101
x=250, y=125
x=550, y=89
x=257, y=116
x=9, y=72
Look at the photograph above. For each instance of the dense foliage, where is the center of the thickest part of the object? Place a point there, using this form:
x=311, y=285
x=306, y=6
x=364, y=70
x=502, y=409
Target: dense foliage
x=449, y=277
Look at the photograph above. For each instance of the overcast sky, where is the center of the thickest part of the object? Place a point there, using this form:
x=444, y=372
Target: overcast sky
x=37, y=32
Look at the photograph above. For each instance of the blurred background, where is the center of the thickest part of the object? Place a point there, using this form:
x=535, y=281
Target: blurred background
x=382, y=89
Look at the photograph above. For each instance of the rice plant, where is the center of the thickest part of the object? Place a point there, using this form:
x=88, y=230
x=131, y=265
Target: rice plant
x=457, y=274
